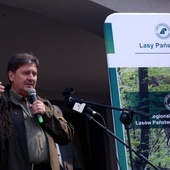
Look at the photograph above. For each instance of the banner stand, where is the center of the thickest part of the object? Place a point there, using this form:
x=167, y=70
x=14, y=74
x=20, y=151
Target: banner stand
x=138, y=51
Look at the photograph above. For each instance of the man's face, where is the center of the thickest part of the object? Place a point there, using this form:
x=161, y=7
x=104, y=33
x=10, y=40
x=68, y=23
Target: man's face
x=23, y=78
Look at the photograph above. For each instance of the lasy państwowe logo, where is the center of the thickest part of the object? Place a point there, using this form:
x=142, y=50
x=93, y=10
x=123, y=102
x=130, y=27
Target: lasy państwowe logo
x=162, y=31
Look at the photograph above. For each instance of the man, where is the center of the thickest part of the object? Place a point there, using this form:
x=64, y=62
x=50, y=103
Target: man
x=26, y=144
x=68, y=156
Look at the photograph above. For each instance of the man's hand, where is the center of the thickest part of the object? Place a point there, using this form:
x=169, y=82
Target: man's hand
x=38, y=107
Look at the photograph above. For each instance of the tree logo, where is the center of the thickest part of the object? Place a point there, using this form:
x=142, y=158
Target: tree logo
x=162, y=31
x=167, y=101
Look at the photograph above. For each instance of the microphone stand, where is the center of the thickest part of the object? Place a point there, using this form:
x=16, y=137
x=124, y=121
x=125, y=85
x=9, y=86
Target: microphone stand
x=90, y=117
x=108, y=106
x=126, y=118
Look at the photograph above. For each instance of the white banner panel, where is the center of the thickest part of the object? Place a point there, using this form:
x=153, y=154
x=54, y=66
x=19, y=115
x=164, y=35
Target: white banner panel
x=139, y=38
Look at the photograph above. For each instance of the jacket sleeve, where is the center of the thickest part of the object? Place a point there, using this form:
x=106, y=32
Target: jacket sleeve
x=61, y=130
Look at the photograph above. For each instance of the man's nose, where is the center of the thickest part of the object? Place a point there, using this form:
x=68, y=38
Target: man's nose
x=31, y=76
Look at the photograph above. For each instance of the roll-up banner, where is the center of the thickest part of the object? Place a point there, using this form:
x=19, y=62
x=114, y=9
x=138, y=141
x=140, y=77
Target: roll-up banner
x=138, y=57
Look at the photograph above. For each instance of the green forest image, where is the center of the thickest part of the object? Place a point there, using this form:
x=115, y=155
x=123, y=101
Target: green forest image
x=147, y=90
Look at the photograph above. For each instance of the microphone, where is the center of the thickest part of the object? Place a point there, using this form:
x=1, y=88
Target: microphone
x=32, y=98
x=77, y=105
x=67, y=92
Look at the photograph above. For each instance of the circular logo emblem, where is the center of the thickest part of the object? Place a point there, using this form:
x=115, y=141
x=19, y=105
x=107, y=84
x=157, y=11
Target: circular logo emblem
x=167, y=101
x=162, y=31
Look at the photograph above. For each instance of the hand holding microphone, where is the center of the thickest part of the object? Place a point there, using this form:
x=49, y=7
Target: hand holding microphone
x=37, y=106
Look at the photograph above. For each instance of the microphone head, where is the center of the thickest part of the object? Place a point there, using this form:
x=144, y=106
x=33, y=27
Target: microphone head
x=68, y=91
x=31, y=91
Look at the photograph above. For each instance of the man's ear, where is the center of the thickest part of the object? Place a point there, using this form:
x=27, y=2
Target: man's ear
x=10, y=75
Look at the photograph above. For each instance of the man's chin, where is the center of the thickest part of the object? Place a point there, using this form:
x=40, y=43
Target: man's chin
x=28, y=87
